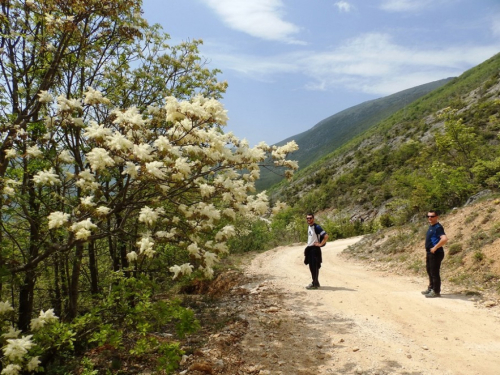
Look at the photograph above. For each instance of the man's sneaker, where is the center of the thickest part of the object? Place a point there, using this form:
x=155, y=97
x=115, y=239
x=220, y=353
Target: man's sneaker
x=427, y=291
x=432, y=294
x=310, y=286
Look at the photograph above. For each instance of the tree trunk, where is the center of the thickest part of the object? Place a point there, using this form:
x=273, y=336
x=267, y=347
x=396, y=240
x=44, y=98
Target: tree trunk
x=56, y=293
x=112, y=248
x=26, y=291
x=94, y=276
x=74, y=283
x=26, y=301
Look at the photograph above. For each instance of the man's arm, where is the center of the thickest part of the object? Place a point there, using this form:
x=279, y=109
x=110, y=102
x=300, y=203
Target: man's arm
x=442, y=240
x=322, y=242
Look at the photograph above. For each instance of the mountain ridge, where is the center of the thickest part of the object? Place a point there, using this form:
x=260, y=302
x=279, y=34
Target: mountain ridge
x=332, y=132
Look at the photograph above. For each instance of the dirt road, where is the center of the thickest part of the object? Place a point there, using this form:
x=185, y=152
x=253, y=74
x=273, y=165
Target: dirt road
x=364, y=321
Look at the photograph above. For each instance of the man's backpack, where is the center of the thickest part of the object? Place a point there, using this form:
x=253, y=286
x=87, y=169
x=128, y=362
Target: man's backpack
x=321, y=234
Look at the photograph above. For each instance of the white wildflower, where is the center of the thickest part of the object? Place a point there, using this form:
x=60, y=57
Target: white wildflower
x=176, y=270
x=221, y=247
x=131, y=169
x=65, y=104
x=154, y=168
x=78, y=122
x=182, y=165
x=162, y=143
x=143, y=151
x=12, y=333
x=279, y=206
x=148, y=215
x=47, y=177
x=57, y=219
x=42, y=319
x=11, y=369
x=206, y=190
x=154, y=110
x=99, y=159
x=227, y=232
x=146, y=246
x=97, y=131
x=208, y=210
x=186, y=269
x=132, y=256
x=86, y=175
x=208, y=272
x=10, y=153
x=82, y=229
x=162, y=234
x=8, y=190
x=229, y=212
x=48, y=315
x=36, y=324
x=44, y=97
x=16, y=349
x=210, y=258
x=102, y=210
x=65, y=157
x=34, y=151
x=130, y=116
x=194, y=250
x=119, y=142
x=87, y=201
x=33, y=364
x=5, y=307
x=94, y=97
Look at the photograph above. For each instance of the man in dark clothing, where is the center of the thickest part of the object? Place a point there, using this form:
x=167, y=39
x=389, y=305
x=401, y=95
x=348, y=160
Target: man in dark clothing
x=316, y=237
x=434, y=241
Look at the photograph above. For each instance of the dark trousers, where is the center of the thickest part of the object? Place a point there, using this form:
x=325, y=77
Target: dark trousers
x=433, y=266
x=314, y=260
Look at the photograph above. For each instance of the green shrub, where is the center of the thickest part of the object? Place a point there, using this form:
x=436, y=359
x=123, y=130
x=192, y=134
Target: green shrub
x=455, y=248
x=479, y=256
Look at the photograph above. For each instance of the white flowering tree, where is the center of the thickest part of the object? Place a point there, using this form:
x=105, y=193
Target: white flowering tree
x=45, y=45
x=104, y=166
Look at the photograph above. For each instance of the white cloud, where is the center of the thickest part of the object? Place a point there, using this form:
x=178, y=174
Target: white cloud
x=371, y=63
x=258, y=18
x=404, y=5
x=343, y=6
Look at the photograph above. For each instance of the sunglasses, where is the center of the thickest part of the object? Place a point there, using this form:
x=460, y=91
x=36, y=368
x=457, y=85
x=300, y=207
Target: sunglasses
x=431, y=215
x=309, y=218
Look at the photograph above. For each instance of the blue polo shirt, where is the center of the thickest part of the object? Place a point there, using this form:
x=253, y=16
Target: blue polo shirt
x=433, y=236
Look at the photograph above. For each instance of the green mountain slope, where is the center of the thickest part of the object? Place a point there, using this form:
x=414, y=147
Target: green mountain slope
x=336, y=130
x=420, y=156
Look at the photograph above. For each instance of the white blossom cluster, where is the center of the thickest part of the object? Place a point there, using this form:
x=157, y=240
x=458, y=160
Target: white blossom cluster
x=16, y=348
x=205, y=176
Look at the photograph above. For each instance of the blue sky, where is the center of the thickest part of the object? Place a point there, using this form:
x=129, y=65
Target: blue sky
x=292, y=63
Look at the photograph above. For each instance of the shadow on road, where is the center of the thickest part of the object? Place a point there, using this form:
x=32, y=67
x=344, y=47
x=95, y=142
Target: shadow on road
x=462, y=297
x=333, y=288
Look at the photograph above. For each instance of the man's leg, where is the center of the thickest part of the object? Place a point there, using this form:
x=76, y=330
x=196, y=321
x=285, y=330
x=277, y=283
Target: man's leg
x=314, y=268
x=315, y=271
x=435, y=266
x=428, y=269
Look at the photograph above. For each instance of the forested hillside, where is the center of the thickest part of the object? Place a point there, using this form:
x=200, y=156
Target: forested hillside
x=338, y=129
x=439, y=151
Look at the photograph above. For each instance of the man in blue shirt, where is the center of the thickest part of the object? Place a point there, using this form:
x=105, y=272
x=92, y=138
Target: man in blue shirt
x=434, y=241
